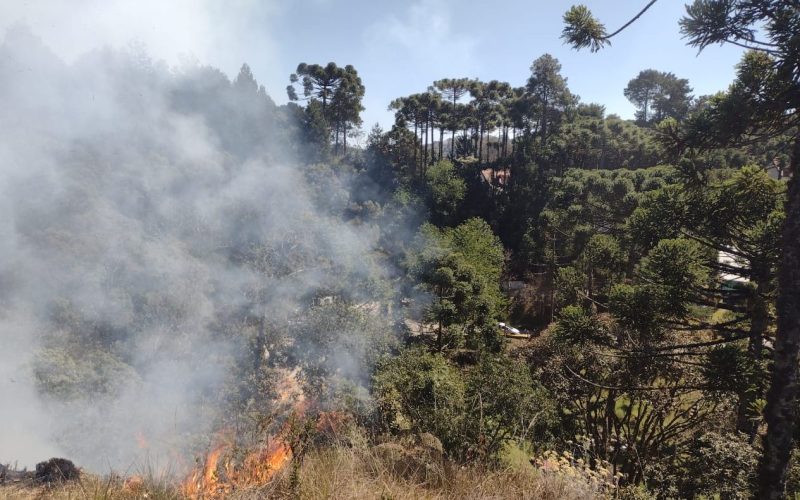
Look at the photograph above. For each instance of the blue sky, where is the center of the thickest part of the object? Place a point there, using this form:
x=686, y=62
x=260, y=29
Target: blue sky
x=398, y=47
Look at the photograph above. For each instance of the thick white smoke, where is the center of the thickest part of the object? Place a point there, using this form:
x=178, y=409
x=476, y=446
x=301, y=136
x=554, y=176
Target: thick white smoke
x=138, y=206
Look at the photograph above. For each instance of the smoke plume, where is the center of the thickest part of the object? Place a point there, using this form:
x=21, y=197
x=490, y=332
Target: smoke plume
x=143, y=206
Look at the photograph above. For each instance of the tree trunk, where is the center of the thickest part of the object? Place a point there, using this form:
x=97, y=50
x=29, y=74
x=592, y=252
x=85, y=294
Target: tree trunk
x=433, y=141
x=780, y=411
x=759, y=321
x=441, y=141
x=513, y=142
x=425, y=145
x=453, y=138
x=416, y=162
x=480, y=144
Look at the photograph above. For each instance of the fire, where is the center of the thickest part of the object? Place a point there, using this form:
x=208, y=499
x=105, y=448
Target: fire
x=278, y=457
x=205, y=482
x=258, y=467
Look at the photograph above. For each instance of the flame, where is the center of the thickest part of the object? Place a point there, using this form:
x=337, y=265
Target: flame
x=204, y=483
x=210, y=472
x=258, y=467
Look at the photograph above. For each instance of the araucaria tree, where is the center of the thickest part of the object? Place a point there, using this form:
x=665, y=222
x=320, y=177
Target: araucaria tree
x=338, y=92
x=763, y=102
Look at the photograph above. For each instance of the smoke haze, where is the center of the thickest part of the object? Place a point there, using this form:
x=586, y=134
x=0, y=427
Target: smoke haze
x=141, y=204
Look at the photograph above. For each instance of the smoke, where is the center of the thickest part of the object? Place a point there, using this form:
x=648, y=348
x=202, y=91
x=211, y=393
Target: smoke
x=143, y=207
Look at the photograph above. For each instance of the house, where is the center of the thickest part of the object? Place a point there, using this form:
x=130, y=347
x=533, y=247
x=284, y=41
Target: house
x=496, y=178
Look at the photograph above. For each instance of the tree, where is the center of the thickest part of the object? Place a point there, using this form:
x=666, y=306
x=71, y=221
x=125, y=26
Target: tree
x=318, y=82
x=461, y=268
x=658, y=95
x=503, y=401
x=445, y=191
x=339, y=91
x=581, y=29
x=764, y=101
x=346, y=106
x=548, y=96
x=451, y=90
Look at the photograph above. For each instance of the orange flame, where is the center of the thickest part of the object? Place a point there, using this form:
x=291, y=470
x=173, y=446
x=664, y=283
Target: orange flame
x=258, y=467
x=204, y=483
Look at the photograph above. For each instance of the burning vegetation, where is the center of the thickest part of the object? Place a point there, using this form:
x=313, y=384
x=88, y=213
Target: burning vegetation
x=206, y=294
x=223, y=470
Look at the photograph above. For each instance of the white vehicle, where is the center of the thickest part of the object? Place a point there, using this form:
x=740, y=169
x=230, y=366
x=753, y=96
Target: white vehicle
x=508, y=328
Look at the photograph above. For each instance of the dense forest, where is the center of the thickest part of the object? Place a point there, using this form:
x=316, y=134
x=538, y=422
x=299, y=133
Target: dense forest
x=509, y=292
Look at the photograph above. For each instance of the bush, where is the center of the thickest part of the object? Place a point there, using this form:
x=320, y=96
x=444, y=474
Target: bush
x=723, y=465
x=503, y=402
x=473, y=414
x=421, y=392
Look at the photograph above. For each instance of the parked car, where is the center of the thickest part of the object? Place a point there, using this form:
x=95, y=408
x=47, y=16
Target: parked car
x=508, y=328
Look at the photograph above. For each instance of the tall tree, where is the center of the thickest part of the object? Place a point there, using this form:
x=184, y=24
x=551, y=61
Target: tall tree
x=339, y=91
x=548, y=95
x=452, y=89
x=658, y=95
x=318, y=82
x=346, y=105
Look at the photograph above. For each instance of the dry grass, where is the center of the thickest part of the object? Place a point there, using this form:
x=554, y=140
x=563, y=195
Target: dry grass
x=347, y=472
x=95, y=488
x=342, y=472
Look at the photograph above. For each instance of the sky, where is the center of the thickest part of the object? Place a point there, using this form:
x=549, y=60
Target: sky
x=398, y=47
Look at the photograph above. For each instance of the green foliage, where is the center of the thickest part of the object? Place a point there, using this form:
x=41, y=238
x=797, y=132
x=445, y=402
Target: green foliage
x=422, y=392
x=660, y=215
x=91, y=373
x=461, y=310
x=474, y=414
x=659, y=96
x=570, y=284
x=575, y=326
x=445, y=191
x=461, y=268
x=722, y=465
x=588, y=141
x=582, y=30
x=636, y=308
x=334, y=94
x=602, y=260
x=674, y=270
x=475, y=241
x=729, y=368
x=503, y=402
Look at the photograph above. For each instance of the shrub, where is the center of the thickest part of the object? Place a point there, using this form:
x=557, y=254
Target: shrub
x=421, y=392
x=722, y=465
